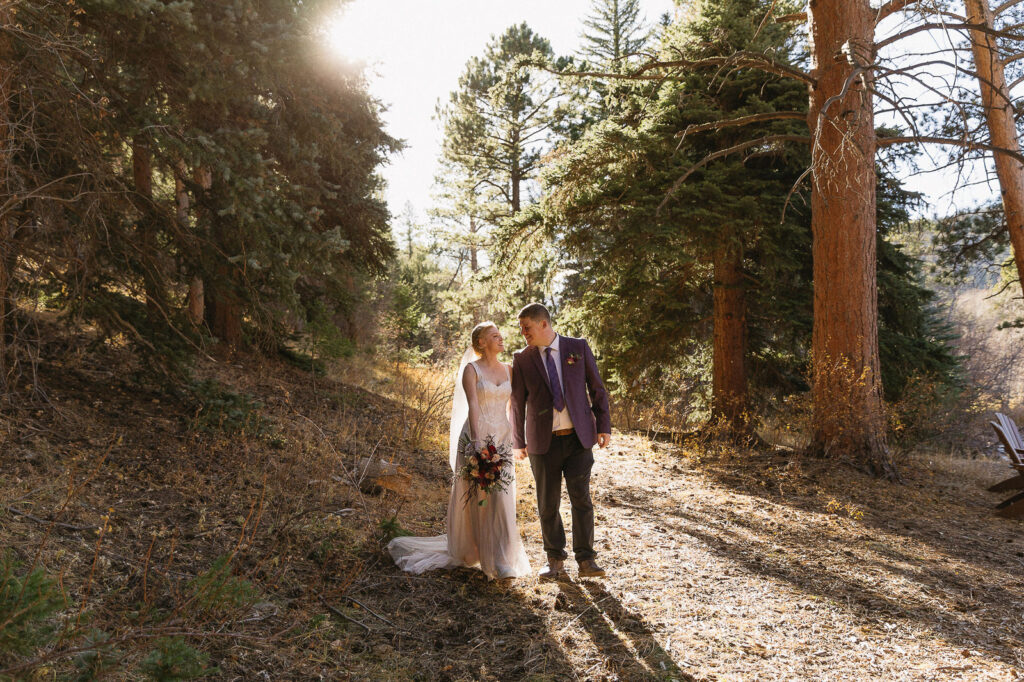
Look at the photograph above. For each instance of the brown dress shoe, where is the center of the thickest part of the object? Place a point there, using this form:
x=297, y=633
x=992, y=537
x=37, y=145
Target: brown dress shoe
x=553, y=571
x=590, y=569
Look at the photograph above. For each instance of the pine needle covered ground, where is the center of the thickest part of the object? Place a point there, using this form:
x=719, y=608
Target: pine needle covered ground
x=220, y=529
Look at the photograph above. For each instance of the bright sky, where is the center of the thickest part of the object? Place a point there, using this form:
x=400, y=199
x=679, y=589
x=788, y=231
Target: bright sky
x=416, y=50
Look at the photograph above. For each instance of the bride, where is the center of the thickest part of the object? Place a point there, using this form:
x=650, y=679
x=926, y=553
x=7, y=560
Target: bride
x=477, y=534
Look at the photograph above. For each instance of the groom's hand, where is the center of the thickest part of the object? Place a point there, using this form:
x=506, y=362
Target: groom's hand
x=520, y=453
x=603, y=440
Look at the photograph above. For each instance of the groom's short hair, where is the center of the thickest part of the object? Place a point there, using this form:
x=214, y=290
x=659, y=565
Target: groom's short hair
x=536, y=312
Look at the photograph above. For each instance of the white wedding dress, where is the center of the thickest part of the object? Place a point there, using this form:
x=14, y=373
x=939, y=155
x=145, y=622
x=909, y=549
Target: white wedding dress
x=486, y=535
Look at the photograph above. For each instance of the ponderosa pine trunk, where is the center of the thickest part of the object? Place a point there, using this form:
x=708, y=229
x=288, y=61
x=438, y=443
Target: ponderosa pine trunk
x=729, y=346
x=847, y=393
x=999, y=116
x=222, y=307
x=142, y=176
x=515, y=173
x=474, y=262
x=195, y=305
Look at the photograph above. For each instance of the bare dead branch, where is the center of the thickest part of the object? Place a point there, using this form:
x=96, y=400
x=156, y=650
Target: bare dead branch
x=891, y=7
x=933, y=26
x=339, y=614
x=36, y=519
x=792, y=191
x=794, y=17
x=966, y=144
x=1005, y=6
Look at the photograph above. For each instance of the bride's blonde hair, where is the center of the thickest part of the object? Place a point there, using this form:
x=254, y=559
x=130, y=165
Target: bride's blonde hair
x=478, y=331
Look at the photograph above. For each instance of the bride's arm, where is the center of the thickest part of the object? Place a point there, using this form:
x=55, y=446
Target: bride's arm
x=469, y=385
x=508, y=405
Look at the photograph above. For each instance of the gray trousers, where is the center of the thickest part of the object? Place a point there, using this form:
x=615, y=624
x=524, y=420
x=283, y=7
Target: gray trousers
x=567, y=457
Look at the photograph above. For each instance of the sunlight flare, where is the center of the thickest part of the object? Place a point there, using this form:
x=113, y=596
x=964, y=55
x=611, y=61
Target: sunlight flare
x=360, y=33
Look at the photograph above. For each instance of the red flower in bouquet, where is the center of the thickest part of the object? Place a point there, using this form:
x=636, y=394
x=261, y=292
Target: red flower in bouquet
x=486, y=469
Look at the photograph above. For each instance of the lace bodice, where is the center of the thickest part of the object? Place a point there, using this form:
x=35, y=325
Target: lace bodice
x=493, y=400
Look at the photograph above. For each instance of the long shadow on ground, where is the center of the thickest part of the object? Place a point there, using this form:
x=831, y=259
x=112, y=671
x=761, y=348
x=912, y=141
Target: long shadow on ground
x=623, y=637
x=856, y=567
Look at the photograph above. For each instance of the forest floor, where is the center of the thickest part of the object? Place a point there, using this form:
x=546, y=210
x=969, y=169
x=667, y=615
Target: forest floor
x=226, y=518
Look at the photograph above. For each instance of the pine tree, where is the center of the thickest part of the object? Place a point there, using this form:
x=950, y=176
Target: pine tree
x=495, y=126
x=614, y=33
x=186, y=144
x=710, y=277
x=496, y=121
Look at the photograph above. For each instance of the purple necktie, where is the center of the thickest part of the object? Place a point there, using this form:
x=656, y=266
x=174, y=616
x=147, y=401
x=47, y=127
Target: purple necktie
x=556, y=385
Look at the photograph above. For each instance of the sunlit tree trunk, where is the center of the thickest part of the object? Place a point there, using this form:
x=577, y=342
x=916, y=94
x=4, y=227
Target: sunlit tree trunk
x=999, y=115
x=515, y=173
x=474, y=227
x=848, y=418
x=729, y=345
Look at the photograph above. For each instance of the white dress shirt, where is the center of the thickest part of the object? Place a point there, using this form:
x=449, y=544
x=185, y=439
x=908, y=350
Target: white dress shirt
x=561, y=419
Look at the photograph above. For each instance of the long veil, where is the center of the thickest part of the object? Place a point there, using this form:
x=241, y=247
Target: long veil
x=460, y=409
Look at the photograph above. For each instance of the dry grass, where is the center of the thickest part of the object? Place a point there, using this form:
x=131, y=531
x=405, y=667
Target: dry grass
x=725, y=565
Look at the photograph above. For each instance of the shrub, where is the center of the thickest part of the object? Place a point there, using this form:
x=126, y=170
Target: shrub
x=27, y=604
x=173, y=659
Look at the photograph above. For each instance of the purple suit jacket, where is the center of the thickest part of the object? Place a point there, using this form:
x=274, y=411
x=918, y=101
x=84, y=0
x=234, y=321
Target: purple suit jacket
x=532, y=405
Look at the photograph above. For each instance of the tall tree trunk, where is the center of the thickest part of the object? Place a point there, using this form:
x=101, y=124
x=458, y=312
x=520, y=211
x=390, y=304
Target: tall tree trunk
x=222, y=306
x=6, y=228
x=142, y=176
x=999, y=115
x=474, y=262
x=515, y=172
x=848, y=419
x=729, y=346
x=196, y=307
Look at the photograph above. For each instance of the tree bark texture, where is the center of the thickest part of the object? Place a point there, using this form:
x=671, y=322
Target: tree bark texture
x=222, y=307
x=196, y=305
x=142, y=177
x=729, y=346
x=848, y=418
x=999, y=116
x=474, y=262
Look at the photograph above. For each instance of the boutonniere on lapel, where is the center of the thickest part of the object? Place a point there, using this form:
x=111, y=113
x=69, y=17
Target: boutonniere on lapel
x=573, y=359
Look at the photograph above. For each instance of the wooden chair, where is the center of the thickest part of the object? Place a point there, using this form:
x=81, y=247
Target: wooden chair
x=1007, y=430
x=1011, y=430
x=1012, y=508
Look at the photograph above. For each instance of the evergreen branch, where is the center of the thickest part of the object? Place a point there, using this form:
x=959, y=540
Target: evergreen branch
x=761, y=141
x=741, y=121
x=739, y=59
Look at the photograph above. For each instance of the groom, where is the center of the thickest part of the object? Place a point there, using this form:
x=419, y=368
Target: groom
x=551, y=378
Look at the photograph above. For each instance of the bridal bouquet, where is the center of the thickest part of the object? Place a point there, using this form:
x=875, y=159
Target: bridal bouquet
x=486, y=469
